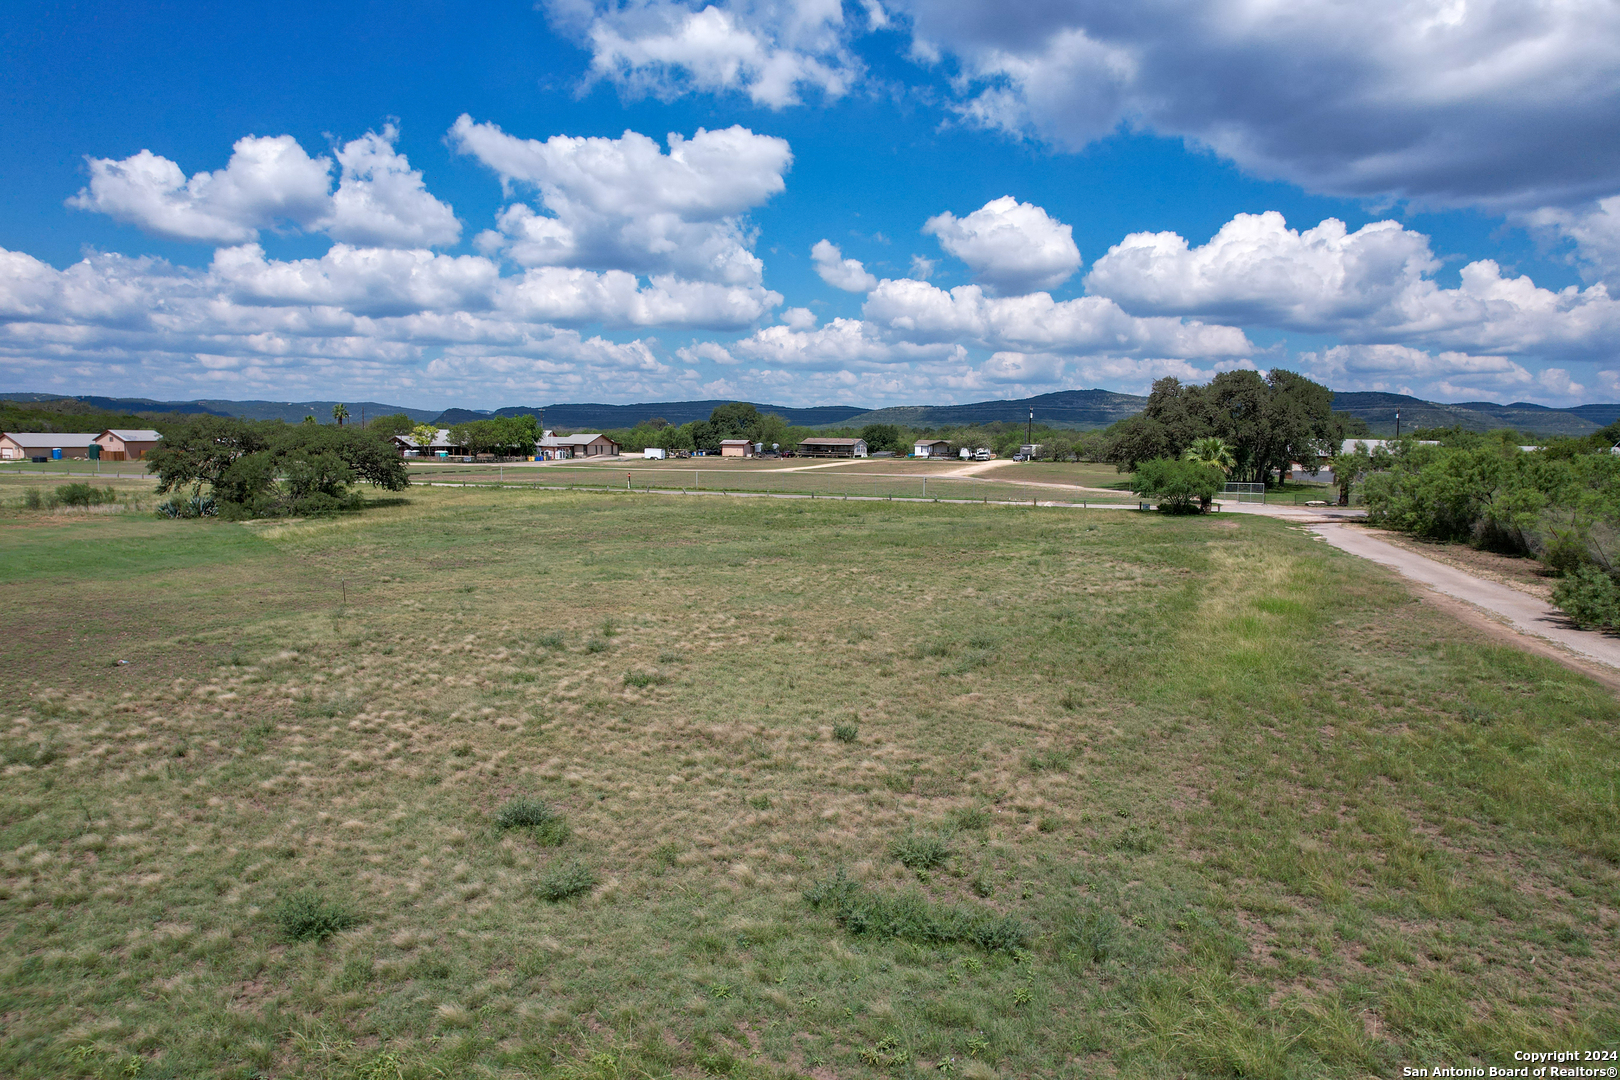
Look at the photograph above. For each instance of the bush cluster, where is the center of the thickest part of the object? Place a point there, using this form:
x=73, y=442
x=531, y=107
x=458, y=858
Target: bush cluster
x=1560, y=505
x=910, y=917
x=80, y=495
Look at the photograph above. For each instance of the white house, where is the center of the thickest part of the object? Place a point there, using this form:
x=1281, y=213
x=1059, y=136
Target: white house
x=931, y=448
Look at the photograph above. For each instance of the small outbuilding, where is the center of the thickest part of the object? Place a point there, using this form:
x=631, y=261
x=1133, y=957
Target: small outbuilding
x=931, y=448
x=833, y=448
x=47, y=445
x=736, y=448
x=127, y=444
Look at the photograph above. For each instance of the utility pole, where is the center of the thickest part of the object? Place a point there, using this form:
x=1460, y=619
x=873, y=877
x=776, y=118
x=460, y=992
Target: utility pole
x=1397, y=423
x=1029, y=428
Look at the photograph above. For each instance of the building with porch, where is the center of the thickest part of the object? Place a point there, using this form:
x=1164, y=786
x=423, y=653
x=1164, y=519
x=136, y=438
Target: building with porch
x=585, y=445
x=931, y=448
x=833, y=448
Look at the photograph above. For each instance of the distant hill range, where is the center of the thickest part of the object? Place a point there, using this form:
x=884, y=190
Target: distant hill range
x=291, y=411
x=1066, y=408
x=1379, y=412
x=579, y=417
x=1083, y=409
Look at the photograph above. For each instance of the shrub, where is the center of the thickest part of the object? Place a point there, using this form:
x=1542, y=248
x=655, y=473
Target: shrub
x=306, y=916
x=596, y=645
x=910, y=917
x=32, y=499
x=921, y=851
x=562, y=882
x=539, y=820
x=1181, y=487
x=1590, y=597
x=552, y=640
x=84, y=495
x=846, y=732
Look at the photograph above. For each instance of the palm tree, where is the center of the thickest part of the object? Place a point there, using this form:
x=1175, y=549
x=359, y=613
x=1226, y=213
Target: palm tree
x=340, y=413
x=1211, y=450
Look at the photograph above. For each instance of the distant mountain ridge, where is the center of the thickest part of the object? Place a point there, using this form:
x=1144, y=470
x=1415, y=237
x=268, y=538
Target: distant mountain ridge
x=577, y=417
x=1082, y=409
x=1065, y=408
x=1379, y=409
x=290, y=411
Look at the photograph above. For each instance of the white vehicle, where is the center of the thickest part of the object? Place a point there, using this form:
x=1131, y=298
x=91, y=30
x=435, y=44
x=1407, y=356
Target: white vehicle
x=653, y=453
x=981, y=454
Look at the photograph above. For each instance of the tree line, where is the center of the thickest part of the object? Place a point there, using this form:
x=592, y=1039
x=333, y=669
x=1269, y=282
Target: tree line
x=268, y=468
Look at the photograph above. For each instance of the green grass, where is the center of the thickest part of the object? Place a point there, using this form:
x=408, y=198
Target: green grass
x=1219, y=801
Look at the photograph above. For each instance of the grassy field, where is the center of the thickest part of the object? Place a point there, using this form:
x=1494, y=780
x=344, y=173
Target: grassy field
x=1076, y=794
x=880, y=480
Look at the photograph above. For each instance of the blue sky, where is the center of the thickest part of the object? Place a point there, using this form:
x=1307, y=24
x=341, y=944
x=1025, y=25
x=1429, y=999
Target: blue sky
x=868, y=203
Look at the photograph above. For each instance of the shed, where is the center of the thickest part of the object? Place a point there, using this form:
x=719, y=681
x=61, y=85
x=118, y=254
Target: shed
x=127, y=444
x=833, y=448
x=25, y=445
x=736, y=448
x=931, y=448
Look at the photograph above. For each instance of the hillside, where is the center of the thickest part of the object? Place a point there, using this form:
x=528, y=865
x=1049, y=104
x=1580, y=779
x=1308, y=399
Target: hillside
x=290, y=411
x=1378, y=410
x=609, y=417
x=1066, y=408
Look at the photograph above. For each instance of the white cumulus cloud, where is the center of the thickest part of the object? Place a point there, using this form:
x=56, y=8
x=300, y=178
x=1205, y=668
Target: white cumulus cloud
x=839, y=272
x=267, y=180
x=625, y=204
x=382, y=202
x=1595, y=229
x=270, y=182
x=919, y=311
x=769, y=51
x=1371, y=286
x=1011, y=247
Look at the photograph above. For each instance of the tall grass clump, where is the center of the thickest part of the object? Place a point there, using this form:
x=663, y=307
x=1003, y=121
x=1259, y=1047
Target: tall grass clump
x=910, y=917
x=307, y=916
x=846, y=732
x=536, y=818
x=562, y=882
x=920, y=850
